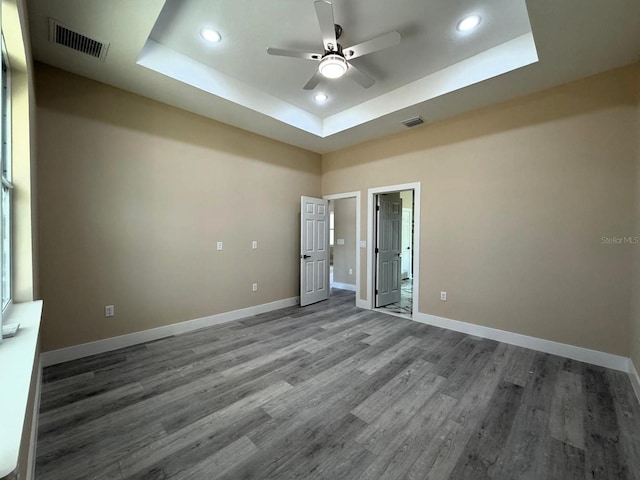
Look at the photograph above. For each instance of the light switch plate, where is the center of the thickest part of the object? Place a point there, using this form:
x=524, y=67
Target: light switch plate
x=254, y=244
x=219, y=246
x=341, y=241
x=363, y=244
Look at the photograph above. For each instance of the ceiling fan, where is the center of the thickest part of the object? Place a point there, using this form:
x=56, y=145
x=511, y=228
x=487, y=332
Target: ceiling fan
x=334, y=62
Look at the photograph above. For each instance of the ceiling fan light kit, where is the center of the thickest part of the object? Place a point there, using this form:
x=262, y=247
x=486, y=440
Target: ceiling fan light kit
x=333, y=66
x=333, y=62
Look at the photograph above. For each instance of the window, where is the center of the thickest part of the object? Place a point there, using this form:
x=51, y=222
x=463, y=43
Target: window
x=7, y=187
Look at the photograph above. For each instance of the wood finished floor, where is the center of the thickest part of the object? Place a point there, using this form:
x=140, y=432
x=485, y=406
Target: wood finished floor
x=333, y=392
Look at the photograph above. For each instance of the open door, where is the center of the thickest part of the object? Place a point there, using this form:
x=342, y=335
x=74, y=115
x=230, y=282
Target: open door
x=388, y=249
x=314, y=250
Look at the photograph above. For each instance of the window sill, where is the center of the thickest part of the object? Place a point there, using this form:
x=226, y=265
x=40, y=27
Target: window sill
x=17, y=357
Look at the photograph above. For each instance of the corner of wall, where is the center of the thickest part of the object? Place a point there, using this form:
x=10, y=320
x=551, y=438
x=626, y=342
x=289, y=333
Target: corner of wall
x=634, y=336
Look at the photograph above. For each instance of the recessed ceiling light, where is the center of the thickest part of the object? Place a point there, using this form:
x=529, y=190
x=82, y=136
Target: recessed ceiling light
x=468, y=23
x=210, y=35
x=320, y=98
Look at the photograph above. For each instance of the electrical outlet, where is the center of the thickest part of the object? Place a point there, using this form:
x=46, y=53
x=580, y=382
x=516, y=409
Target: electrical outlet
x=443, y=296
x=351, y=271
x=254, y=287
x=109, y=310
x=254, y=244
x=219, y=246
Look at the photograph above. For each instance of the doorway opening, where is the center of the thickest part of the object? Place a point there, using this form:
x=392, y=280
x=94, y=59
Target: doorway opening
x=344, y=241
x=394, y=237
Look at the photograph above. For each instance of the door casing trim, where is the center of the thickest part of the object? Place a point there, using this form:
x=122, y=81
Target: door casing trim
x=371, y=210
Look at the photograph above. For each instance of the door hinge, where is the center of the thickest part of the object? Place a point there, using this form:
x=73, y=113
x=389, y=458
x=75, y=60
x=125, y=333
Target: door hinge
x=376, y=291
x=377, y=250
x=377, y=208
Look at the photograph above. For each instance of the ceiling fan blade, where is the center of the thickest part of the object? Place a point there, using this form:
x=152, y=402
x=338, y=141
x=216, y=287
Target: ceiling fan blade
x=281, y=52
x=359, y=77
x=324, y=11
x=383, y=41
x=313, y=82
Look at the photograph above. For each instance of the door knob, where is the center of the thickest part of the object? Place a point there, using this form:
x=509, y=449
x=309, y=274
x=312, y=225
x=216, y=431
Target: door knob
x=305, y=256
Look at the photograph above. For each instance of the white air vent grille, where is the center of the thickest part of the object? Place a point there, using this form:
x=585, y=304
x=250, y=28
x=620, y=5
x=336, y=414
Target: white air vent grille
x=61, y=35
x=412, y=122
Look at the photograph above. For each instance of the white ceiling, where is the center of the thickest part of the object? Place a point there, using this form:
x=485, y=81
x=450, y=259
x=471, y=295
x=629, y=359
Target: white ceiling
x=436, y=72
x=430, y=41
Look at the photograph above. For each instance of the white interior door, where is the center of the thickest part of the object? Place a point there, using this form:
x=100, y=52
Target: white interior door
x=314, y=250
x=388, y=249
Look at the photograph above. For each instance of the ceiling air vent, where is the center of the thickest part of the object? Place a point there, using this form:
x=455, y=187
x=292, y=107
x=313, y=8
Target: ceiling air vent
x=61, y=35
x=412, y=122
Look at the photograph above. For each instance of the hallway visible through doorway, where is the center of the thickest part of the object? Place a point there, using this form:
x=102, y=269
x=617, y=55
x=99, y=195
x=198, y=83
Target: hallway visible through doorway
x=405, y=305
x=343, y=243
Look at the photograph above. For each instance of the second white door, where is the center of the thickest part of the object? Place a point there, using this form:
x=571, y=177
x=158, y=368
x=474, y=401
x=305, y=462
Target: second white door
x=388, y=249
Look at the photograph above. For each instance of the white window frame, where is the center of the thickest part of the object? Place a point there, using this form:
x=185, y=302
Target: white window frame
x=6, y=201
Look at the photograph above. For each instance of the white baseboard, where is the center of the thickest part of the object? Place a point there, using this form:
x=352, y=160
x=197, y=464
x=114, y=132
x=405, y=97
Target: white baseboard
x=343, y=286
x=608, y=360
x=635, y=379
x=108, y=344
x=33, y=440
x=595, y=357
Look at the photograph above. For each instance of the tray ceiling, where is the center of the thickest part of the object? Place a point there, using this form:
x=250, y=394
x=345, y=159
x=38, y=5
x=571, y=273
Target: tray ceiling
x=156, y=50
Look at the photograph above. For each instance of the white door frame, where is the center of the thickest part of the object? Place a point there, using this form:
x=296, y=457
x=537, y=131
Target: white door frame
x=356, y=195
x=371, y=212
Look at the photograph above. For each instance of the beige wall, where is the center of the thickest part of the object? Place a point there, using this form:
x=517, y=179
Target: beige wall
x=344, y=256
x=133, y=197
x=515, y=201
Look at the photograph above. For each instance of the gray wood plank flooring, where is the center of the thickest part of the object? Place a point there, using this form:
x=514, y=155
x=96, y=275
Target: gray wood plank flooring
x=333, y=392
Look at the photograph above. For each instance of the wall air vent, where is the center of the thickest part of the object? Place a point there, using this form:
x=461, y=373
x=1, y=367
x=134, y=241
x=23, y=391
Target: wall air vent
x=61, y=35
x=412, y=122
